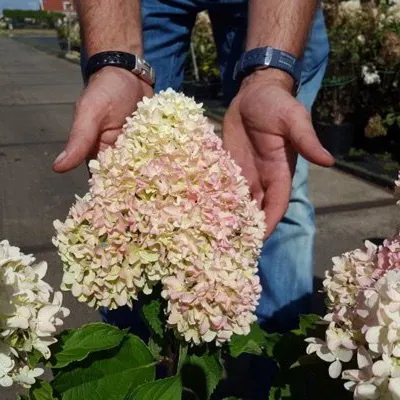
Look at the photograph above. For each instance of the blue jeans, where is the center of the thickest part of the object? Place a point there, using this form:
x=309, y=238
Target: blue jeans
x=286, y=264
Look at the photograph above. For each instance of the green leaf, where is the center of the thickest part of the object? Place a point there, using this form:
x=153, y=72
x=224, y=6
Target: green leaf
x=202, y=373
x=41, y=390
x=279, y=393
x=152, y=314
x=183, y=349
x=163, y=389
x=77, y=344
x=308, y=323
x=271, y=341
x=107, y=375
x=34, y=358
x=22, y=397
x=155, y=348
x=252, y=343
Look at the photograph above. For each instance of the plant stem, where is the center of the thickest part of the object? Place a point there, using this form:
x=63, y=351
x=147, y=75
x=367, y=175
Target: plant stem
x=171, y=364
x=183, y=349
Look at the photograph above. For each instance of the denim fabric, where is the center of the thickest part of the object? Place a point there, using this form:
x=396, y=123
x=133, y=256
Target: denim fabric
x=286, y=262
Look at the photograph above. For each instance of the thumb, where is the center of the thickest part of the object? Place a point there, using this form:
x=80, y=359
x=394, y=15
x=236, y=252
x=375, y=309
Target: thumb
x=305, y=140
x=82, y=139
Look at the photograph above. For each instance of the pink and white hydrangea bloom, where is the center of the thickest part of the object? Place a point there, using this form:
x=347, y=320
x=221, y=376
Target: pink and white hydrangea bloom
x=28, y=316
x=167, y=205
x=363, y=293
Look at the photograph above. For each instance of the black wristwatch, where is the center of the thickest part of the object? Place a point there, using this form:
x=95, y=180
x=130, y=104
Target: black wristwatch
x=135, y=64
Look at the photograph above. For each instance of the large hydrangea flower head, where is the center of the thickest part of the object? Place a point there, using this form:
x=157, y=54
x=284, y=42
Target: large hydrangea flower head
x=28, y=315
x=363, y=292
x=167, y=205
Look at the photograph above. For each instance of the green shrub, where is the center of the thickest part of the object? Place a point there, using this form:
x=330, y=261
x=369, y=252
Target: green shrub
x=37, y=16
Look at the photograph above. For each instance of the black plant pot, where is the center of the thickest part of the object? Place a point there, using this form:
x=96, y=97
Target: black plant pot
x=337, y=139
x=377, y=145
x=202, y=90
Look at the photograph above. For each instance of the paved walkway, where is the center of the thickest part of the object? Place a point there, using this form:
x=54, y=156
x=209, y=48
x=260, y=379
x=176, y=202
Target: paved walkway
x=37, y=92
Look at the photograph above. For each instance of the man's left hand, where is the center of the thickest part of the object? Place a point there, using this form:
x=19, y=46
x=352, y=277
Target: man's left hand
x=264, y=129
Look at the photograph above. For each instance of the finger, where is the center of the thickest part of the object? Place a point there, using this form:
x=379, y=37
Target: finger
x=82, y=140
x=304, y=139
x=236, y=141
x=276, y=201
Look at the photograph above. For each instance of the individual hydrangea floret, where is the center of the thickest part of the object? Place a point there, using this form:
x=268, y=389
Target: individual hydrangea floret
x=167, y=205
x=28, y=315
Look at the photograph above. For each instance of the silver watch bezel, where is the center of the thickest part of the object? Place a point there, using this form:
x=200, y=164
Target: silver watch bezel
x=144, y=71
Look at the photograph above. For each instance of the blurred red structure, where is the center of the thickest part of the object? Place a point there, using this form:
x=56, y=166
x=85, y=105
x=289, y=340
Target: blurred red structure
x=58, y=5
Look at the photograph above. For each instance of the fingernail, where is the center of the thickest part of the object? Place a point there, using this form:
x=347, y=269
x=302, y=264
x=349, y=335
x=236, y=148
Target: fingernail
x=327, y=152
x=60, y=157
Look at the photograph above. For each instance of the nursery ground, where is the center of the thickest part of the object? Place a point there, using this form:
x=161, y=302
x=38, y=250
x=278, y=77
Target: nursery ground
x=37, y=93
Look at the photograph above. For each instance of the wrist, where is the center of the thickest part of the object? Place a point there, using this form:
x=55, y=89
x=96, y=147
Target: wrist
x=271, y=76
x=128, y=78
x=132, y=48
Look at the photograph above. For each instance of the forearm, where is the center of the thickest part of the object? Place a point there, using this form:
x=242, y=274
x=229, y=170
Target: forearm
x=283, y=24
x=110, y=25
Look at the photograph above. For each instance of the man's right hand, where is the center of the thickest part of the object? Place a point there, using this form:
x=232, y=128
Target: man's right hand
x=100, y=112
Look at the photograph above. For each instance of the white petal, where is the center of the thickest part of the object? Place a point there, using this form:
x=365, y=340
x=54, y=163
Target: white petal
x=324, y=354
x=366, y=391
x=381, y=369
x=6, y=381
x=394, y=388
x=352, y=374
x=363, y=358
x=344, y=355
x=335, y=369
x=373, y=334
x=350, y=386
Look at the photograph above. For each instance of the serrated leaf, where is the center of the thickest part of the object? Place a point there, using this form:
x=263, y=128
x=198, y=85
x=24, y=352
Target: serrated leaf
x=77, y=344
x=41, y=390
x=155, y=348
x=163, y=389
x=107, y=375
x=202, y=373
x=253, y=343
x=152, y=314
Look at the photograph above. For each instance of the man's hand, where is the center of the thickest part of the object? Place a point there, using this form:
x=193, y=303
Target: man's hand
x=264, y=130
x=100, y=113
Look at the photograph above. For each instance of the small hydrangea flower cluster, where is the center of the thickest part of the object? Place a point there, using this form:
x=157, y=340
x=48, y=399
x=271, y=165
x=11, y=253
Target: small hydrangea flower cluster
x=370, y=75
x=28, y=317
x=363, y=292
x=350, y=8
x=167, y=204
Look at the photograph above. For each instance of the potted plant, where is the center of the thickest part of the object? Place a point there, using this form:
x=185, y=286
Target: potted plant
x=335, y=107
x=202, y=69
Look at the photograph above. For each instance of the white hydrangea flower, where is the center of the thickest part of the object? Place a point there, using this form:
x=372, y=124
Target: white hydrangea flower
x=361, y=39
x=384, y=336
x=373, y=380
x=339, y=347
x=350, y=8
x=364, y=316
x=28, y=316
x=370, y=75
x=167, y=205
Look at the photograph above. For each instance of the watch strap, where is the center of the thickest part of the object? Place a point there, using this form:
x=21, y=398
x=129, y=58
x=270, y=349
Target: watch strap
x=135, y=64
x=268, y=57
